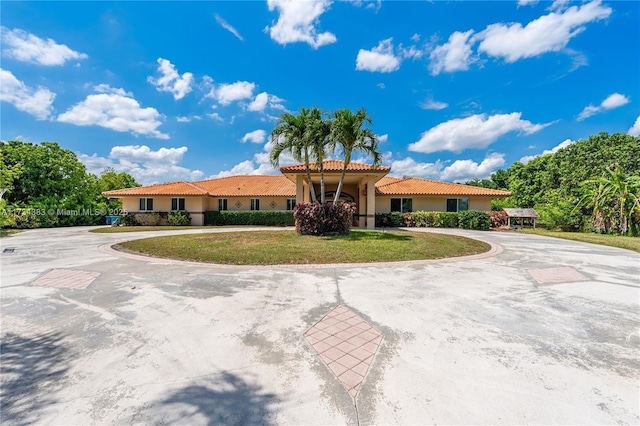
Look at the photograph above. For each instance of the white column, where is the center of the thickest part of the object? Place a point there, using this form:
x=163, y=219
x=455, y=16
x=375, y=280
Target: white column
x=371, y=202
x=299, y=189
x=362, y=203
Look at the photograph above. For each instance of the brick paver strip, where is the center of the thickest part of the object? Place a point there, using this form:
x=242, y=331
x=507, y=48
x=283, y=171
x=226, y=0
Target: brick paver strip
x=66, y=278
x=346, y=344
x=556, y=275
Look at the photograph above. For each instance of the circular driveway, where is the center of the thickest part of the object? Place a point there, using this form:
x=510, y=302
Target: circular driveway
x=545, y=331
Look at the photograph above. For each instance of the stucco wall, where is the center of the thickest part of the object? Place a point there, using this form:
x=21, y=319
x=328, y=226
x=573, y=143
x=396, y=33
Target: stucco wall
x=431, y=204
x=244, y=203
x=194, y=205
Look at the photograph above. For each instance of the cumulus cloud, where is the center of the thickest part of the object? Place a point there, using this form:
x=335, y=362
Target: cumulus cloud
x=257, y=136
x=117, y=110
x=549, y=33
x=186, y=119
x=379, y=59
x=433, y=104
x=527, y=2
x=37, y=102
x=635, y=129
x=145, y=165
x=228, y=93
x=454, y=55
x=383, y=138
x=26, y=47
x=227, y=26
x=563, y=144
x=215, y=116
x=171, y=81
x=612, y=101
x=464, y=170
x=297, y=22
x=410, y=167
x=264, y=100
x=475, y=131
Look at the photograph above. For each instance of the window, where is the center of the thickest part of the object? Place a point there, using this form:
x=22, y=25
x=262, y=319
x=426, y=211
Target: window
x=146, y=204
x=255, y=204
x=457, y=204
x=178, y=204
x=402, y=205
x=291, y=202
x=222, y=204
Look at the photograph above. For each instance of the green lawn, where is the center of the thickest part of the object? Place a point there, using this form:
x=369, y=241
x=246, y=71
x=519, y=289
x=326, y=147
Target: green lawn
x=118, y=229
x=283, y=247
x=9, y=232
x=629, y=243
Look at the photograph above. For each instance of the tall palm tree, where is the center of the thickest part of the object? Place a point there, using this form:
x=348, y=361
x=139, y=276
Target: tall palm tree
x=318, y=139
x=349, y=133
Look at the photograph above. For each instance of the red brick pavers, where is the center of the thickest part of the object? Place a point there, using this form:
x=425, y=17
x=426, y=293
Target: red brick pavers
x=66, y=278
x=347, y=344
x=556, y=275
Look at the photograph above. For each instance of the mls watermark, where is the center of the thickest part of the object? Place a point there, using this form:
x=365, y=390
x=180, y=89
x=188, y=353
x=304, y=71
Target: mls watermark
x=65, y=212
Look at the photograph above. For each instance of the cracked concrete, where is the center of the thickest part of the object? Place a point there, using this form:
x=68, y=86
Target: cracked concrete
x=465, y=341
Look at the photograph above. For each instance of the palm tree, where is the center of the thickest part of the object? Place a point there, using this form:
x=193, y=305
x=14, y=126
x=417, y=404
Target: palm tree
x=318, y=139
x=347, y=131
x=305, y=136
x=615, y=193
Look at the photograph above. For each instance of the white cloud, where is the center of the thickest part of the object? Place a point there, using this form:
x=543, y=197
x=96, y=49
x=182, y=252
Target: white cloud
x=37, y=102
x=612, y=101
x=171, y=81
x=25, y=47
x=297, y=22
x=475, y=131
x=228, y=93
x=227, y=26
x=563, y=144
x=185, y=119
x=549, y=33
x=415, y=38
x=383, y=138
x=215, y=116
x=381, y=85
x=527, y=2
x=262, y=100
x=257, y=136
x=117, y=110
x=409, y=167
x=379, y=59
x=145, y=165
x=259, y=165
x=455, y=55
x=635, y=129
x=433, y=104
x=464, y=170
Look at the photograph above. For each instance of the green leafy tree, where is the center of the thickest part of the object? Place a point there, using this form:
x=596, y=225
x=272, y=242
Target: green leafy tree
x=110, y=180
x=348, y=132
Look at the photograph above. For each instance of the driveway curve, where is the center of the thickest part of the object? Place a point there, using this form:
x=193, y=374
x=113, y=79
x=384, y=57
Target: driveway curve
x=546, y=331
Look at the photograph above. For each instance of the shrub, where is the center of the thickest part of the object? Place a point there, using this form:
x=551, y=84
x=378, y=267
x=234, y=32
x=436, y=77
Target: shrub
x=129, y=219
x=148, y=219
x=394, y=220
x=474, y=219
x=249, y=217
x=499, y=219
x=322, y=219
x=179, y=218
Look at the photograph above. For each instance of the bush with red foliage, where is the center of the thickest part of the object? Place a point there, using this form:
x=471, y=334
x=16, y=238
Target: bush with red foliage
x=322, y=219
x=499, y=219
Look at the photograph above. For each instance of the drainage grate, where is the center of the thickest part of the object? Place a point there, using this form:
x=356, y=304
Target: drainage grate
x=66, y=278
x=9, y=250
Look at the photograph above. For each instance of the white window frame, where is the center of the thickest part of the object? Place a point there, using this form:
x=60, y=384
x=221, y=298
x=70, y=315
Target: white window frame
x=255, y=204
x=146, y=204
x=178, y=200
x=291, y=203
x=223, y=204
x=402, y=201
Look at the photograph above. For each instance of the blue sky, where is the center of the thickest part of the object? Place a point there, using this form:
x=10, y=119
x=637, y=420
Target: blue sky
x=186, y=91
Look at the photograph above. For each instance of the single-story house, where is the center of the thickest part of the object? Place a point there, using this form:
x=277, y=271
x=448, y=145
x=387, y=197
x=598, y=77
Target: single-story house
x=366, y=185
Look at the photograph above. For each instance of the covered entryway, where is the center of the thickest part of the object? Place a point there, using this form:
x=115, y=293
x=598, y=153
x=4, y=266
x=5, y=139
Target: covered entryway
x=358, y=186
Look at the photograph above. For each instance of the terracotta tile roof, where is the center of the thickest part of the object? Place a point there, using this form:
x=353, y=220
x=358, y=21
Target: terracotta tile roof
x=335, y=166
x=417, y=186
x=248, y=186
x=171, y=188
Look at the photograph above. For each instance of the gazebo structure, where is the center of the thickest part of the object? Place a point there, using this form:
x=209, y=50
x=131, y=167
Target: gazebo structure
x=523, y=216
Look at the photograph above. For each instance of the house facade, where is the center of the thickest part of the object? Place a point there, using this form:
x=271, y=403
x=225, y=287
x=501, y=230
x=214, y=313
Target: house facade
x=366, y=185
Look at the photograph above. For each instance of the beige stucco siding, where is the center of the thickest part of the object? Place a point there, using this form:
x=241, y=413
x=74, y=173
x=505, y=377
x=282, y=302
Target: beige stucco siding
x=244, y=203
x=194, y=205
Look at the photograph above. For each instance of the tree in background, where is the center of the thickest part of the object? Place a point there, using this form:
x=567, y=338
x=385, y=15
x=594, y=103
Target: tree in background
x=45, y=178
x=348, y=132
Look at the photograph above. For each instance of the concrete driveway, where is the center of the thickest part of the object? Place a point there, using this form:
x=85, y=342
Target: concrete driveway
x=547, y=331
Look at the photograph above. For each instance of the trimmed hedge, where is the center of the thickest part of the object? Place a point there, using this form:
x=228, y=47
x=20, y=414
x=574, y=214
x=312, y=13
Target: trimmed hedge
x=474, y=219
x=249, y=217
x=179, y=218
x=323, y=219
x=394, y=220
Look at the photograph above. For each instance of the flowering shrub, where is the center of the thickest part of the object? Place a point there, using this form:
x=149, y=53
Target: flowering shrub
x=322, y=219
